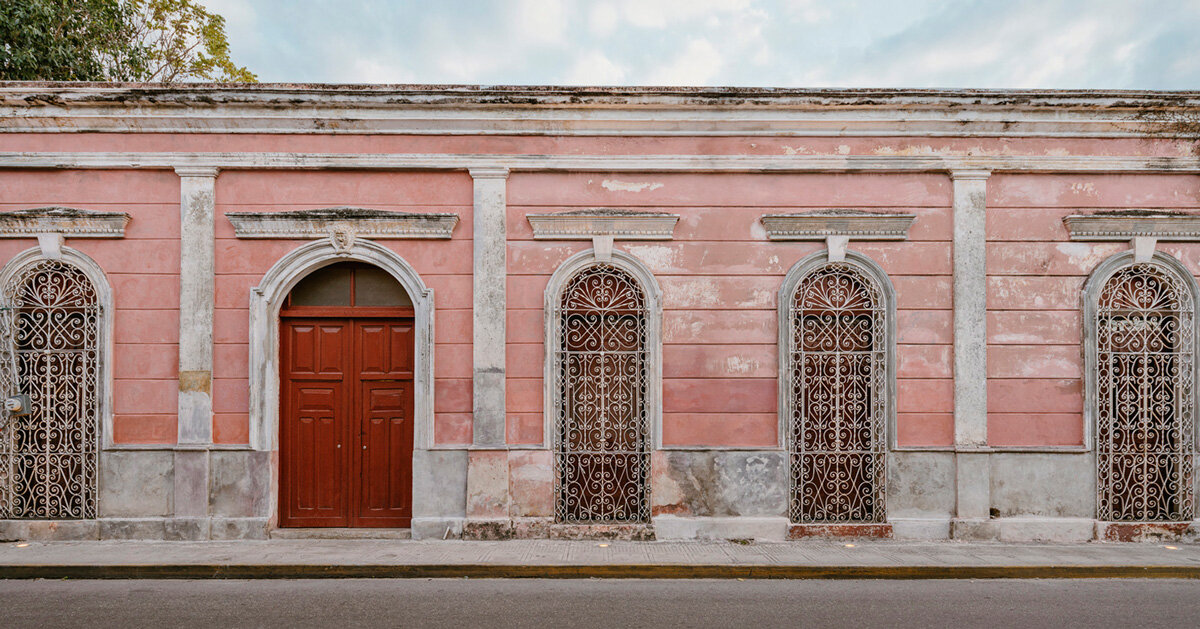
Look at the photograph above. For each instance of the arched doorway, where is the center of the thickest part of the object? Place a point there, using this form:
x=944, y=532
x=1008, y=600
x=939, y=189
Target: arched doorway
x=346, y=337
x=54, y=322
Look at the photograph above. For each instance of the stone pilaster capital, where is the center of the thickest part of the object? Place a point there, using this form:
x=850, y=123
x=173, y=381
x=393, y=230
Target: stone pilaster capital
x=197, y=171
x=970, y=174
x=488, y=172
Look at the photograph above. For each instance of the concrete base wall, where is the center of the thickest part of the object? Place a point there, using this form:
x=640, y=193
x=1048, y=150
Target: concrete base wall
x=695, y=494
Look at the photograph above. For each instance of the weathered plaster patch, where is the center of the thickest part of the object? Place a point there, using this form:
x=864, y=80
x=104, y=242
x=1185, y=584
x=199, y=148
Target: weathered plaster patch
x=843, y=149
x=796, y=150
x=657, y=257
x=909, y=151
x=1085, y=188
x=616, y=185
x=1083, y=255
x=735, y=365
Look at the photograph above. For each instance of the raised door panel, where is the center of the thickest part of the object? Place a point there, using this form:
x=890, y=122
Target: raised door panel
x=386, y=450
x=316, y=349
x=314, y=473
x=385, y=350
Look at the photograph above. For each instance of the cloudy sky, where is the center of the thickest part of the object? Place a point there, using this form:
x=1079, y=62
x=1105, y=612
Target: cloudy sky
x=1128, y=44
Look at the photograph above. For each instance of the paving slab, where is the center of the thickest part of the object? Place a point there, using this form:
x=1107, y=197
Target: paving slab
x=314, y=558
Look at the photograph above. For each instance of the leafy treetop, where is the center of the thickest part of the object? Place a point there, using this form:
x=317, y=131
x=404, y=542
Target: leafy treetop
x=161, y=41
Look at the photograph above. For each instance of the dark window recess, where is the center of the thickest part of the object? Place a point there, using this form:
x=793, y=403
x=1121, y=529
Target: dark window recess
x=349, y=284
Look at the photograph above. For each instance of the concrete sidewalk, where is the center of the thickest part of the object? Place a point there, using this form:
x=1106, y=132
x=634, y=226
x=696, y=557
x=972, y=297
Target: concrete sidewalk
x=581, y=559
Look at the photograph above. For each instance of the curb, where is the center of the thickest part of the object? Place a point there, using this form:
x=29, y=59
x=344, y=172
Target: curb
x=615, y=571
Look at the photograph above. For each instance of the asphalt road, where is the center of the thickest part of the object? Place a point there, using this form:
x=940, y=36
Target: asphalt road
x=612, y=604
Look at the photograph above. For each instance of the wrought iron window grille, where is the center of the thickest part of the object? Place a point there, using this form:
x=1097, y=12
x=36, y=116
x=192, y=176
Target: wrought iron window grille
x=50, y=351
x=601, y=439
x=1144, y=335
x=836, y=392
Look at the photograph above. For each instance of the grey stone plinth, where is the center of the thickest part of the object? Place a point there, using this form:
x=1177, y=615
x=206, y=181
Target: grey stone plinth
x=719, y=483
x=186, y=529
x=974, y=529
x=1044, y=485
x=238, y=528
x=437, y=528
x=920, y=528
x=920, y=485
x=439, y=483
x=240, y=483
x=764, y=529
x=133, y=528
x=135, y=484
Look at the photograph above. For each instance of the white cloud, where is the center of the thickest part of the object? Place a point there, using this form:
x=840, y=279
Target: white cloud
x=539, y=21
x=1150, y=44
x=594, y=68
x=696, y=64
x=602, y=19
x=368, y=70
x=661, y=14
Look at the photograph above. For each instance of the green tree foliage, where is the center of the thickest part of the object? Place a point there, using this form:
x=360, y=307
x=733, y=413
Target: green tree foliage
x=162, y=41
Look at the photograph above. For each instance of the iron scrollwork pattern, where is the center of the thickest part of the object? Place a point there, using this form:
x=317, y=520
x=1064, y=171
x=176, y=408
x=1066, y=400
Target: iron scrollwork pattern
x=1144, y=331
x=838, y=388
x=50, y=352
x=601, y=450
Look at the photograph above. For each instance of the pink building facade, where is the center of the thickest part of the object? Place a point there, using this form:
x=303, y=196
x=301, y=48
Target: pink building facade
x=237, y=312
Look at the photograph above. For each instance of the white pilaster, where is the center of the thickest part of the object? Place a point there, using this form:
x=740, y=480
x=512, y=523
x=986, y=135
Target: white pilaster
x=970, y=345
x=196, y=268
x=488, y=323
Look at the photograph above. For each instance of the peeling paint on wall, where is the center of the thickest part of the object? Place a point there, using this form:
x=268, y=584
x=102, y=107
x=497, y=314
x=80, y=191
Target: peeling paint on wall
x=617, y=185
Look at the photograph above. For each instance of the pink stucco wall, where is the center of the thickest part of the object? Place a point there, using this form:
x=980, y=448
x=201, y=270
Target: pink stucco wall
x=143, y=269
x=720, y=279
x=719, y=276
x=1035, y=322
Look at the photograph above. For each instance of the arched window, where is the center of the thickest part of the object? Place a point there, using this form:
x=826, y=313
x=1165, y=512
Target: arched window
x=1140, y=347
x=51, y=353
x=836, y=381
x=602, y=388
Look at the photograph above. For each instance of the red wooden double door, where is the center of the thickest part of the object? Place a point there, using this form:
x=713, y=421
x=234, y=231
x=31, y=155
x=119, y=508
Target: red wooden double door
x=346, y=435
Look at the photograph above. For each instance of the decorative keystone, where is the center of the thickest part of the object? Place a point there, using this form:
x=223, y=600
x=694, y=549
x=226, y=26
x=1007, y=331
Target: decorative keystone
x=342, y=224
x=63, y=221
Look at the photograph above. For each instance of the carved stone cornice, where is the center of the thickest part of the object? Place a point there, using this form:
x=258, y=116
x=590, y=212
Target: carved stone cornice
x=617, y=224
x=355, y=222
x=69, y=222
x=820, y=225
x=1130, y=224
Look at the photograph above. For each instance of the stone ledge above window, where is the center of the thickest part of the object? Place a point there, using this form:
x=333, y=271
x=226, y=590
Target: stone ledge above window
x=347, y=221
x=1130, y=224
x=69, y=222
x=1142, y=228
x=822, y=224
x=618, y=224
